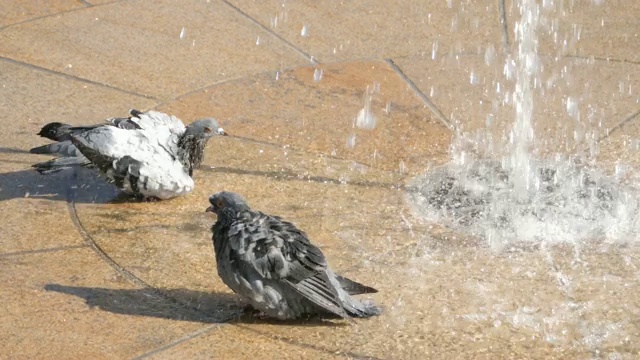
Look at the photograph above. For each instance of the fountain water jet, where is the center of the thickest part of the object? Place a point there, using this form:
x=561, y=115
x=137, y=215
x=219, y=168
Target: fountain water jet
x=523, y=196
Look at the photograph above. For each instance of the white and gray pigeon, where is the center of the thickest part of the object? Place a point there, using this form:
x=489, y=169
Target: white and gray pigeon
x=149, y=154
x=273, y=264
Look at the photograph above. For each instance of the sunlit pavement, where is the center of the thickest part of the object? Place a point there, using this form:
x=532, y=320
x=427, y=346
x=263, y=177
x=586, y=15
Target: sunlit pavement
x=84, y=276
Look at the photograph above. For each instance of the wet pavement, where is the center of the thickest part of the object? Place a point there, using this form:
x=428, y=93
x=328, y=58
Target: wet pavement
x=85, y=274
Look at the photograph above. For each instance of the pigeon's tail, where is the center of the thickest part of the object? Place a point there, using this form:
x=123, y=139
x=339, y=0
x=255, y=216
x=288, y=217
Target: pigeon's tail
x=55, y=165
x=361, y=309
x=56, y=131
x=354, y=287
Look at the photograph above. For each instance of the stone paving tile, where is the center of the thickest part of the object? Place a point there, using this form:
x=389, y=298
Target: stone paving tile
x=603, y=29
x=320, y=116
x=15, y=11
x=69, y=304
x=168, y=244
x=622, y=147
x=233, y=342
x=147, y=55
x=31, y=204
x=579, y=96
x=37, y=97
x=344, y=30
x=452, y=301
x=444, y=294
x=35, y=224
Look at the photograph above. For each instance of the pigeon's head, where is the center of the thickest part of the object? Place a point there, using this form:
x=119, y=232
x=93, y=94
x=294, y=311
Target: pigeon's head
x=54, y=130
x=204, y=128
x=227, y=204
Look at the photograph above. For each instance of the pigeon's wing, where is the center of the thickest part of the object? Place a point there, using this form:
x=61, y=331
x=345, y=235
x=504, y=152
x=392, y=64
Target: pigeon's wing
x=97, y=146
x=62, y=148
x=151, y=120
x=354, y=287
x=276, y=249
x=135, y=161
x=124, y=123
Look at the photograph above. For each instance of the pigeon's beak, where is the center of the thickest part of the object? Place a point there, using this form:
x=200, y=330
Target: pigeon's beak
x=211, y=209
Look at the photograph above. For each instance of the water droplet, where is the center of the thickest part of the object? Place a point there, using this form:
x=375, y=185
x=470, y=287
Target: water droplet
x=434, y=50
x=305, y=31
x=351, y=141
x=317, y=74
x=402, y=167
x=365, y=118
x=509, y=69
x=474, y=79
x=258, y=41
x=489, y=55
x=183, y=32
x=277, y=75
x=572, y=107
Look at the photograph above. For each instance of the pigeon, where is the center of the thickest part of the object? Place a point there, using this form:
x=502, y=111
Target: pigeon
x=148, y=154
x=272, y=263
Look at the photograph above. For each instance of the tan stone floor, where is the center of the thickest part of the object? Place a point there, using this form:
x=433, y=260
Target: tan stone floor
x=85, y=277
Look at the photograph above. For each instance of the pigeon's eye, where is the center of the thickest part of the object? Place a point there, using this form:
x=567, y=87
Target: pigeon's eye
x=207, y=130
x=220, y=204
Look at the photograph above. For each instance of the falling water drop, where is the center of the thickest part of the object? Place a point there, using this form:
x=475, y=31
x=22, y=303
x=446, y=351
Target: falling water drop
x=183, y=32
x=434, y=50
x=473, y=78
x=572, y=107
x=489, y=55
x=351, y=141
x=365, y=118
x=317, y=74
x=305, y=31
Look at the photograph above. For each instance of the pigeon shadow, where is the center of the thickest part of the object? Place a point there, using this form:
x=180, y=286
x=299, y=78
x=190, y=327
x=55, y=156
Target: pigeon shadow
x=176, y=304
x=79, y=185
x=6, y=150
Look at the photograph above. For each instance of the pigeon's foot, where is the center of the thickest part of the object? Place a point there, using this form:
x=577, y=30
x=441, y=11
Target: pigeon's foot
x=254, y=313
x=143, y=198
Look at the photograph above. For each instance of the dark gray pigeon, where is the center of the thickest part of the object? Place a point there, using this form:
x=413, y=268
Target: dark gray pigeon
x=274, y=265
x=149, y=154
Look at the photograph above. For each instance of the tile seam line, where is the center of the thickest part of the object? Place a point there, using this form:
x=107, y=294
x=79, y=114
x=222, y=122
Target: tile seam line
x=256, y=74
x=503, y=26
x=88, y=239
x=188, y=337
x=43, y=251
x=77, y=78
x=84, y=7
x=603, y=59
x=619, y=125
x=421, y=95
x=293, y=342
x=308, y=56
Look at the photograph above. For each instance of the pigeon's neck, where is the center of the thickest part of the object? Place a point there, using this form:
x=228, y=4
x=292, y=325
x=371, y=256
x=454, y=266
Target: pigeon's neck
x=191, y=151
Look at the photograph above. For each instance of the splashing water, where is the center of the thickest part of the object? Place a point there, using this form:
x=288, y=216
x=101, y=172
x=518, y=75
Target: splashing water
x=522, y=197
